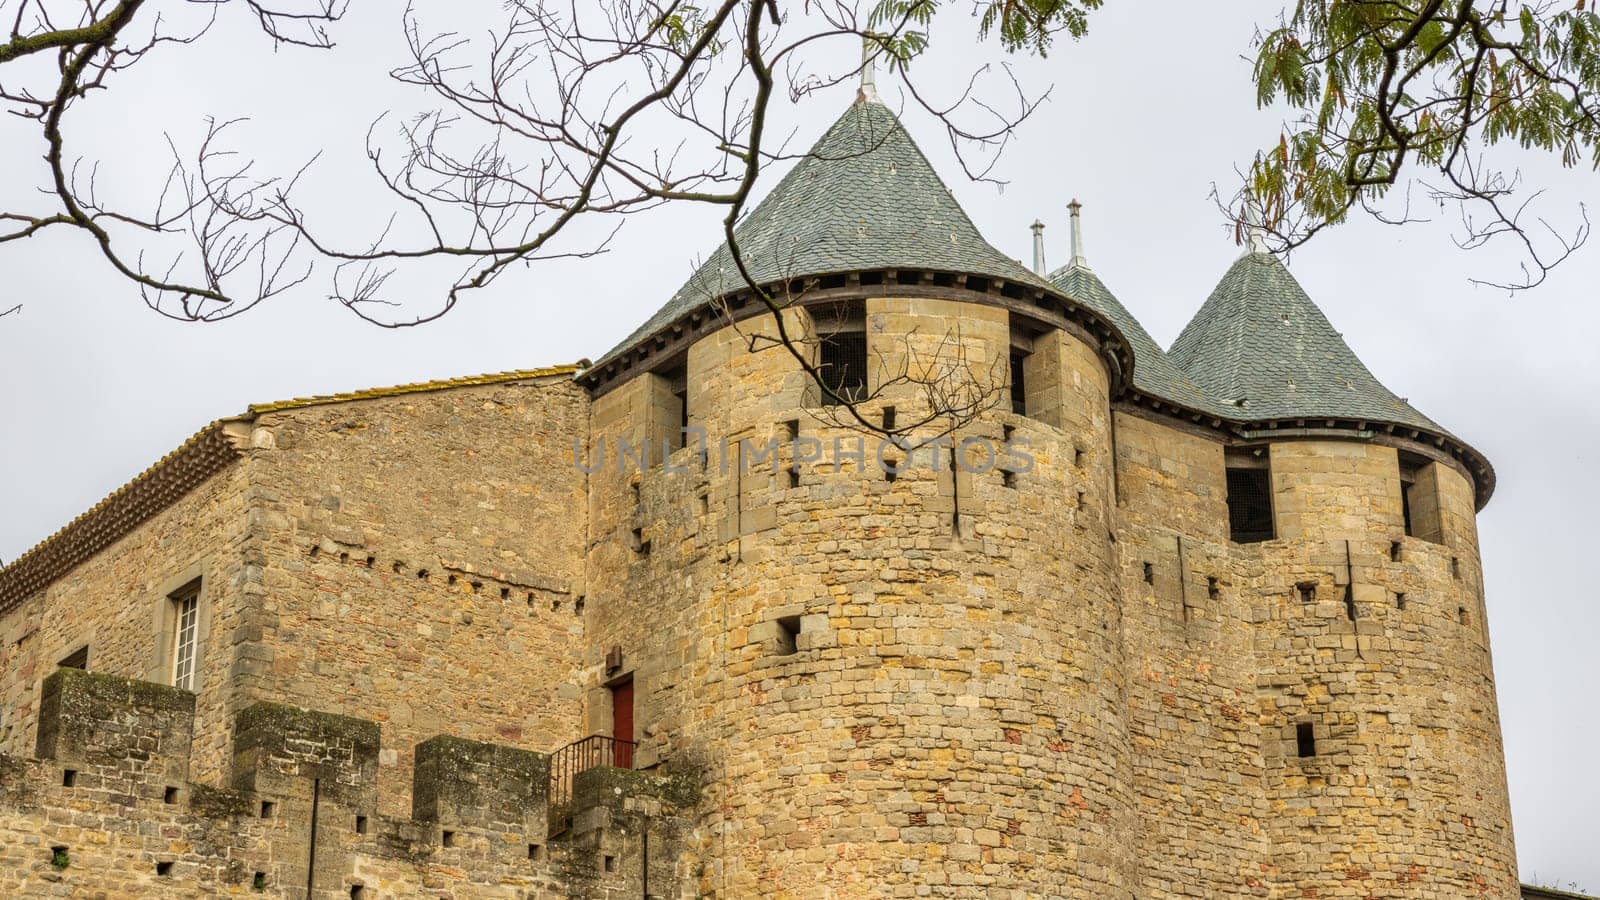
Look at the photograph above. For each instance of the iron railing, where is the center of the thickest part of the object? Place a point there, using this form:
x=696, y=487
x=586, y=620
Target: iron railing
x=581, y=756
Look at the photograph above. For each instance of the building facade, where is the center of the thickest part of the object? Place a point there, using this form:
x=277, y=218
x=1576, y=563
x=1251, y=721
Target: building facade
x=1044, y=611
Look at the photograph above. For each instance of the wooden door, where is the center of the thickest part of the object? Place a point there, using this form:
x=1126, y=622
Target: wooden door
x=622, y=722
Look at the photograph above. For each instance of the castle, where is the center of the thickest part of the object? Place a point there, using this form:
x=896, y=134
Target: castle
x=1222, y=635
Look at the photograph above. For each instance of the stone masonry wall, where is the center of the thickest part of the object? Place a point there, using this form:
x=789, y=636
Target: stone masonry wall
x=422, y=565
x=1191, y=674
x=107, y=811
x=117, y=603
x=948, y=717
x=1377, y=640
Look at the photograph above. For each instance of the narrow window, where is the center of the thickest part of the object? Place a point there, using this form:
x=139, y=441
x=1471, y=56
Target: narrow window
x=1399, y=599
x=259, y=882
x=164, y=868
x=361, y=824
x=1461, y=614
x=358, y=892
x=888, y=418
x=1019, y=386
x=1394, y=551
x=535, y=852
x=1249, y=500
x=1305, y=739
x=448, y=838
x=77, y=659
x=843, y=367
x=1307, y=591
x=1149, y=573
x=1419, y=497
x=788, y=635
x=268, y=809
x=69, y=777
x=170, y=795
x=185, y=631
x=1212, y=590
x=609, y=863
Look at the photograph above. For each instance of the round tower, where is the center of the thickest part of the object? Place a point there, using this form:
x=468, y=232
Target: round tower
x=1382, y=758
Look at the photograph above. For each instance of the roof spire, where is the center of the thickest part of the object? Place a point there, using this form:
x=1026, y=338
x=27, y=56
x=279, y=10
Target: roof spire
x=1038, y=246
x=1255, y=233
x=869, y=73
x=1077, y=259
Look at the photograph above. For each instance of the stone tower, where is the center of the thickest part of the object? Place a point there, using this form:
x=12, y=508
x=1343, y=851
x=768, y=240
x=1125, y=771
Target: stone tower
x=1103, y=621
x=1224, y=637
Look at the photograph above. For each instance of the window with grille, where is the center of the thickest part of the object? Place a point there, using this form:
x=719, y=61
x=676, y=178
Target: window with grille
x=185, y=634
x=1250, y=504
x=843, y=367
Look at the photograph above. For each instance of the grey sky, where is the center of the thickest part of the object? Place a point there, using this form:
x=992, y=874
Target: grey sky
x=1146, y=113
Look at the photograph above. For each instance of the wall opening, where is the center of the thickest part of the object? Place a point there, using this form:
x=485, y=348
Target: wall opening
x=77, y=659
x=1019, y=384
x=1149, y=573
x=1307, y=591
x=447, y=838
x=268, y=809
x=608, y=863
x=787, y=637
x=1213, y=591
x=1305, y=739
x=1419, y=497
x=535, y=852
x=841, y=353
x=358, y=892
x=1249, y=497
x=361, y=824
x=1399, y=599
x=169, y=796
x=69, y=777
x=164, y=868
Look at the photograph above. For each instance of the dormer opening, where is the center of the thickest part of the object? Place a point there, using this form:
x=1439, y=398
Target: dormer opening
x=1419, y=497
x=841, y=358
x=1027, y=376
x=1249, y=475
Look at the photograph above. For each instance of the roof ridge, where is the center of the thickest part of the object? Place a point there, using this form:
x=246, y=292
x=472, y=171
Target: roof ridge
x=418, y=387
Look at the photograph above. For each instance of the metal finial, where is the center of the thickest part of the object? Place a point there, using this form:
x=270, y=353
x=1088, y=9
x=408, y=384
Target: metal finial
x=1077, y=235
x=1255, y=234
x=1038, y=246
x=869, y=73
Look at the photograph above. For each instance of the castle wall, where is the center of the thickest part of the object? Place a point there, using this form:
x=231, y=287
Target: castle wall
x=1405, y=795
x=105, y=810
x=948, y=716
x=1189, y=640
x=117, y=603
x=422, y=560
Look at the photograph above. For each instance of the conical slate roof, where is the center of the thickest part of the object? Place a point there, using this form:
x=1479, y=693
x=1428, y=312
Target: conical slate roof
x=1153, y=372
x=864, y=197
x=1263, y=350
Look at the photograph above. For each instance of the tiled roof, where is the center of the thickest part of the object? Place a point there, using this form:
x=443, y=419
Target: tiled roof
x=864, y=197
x=203, y=455
x=1153, y=372
x=1263, y=351
x=153, y=490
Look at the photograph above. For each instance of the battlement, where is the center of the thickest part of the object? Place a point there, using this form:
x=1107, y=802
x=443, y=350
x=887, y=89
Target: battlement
x=107, y=806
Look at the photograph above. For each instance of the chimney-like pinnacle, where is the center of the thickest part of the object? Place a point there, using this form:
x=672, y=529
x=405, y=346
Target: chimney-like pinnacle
x=869, y=73
x=1077, y=260
x=1038, y=246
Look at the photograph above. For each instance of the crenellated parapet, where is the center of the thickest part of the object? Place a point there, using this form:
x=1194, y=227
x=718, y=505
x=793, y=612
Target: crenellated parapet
x=106, y=809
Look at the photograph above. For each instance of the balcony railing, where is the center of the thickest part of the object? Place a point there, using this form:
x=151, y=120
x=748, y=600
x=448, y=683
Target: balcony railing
x=581, y=756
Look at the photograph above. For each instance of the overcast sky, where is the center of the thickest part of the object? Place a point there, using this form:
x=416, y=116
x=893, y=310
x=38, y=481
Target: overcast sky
x=1145, y=114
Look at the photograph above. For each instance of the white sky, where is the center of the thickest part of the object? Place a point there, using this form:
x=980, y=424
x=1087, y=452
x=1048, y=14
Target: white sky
x=1146, y=113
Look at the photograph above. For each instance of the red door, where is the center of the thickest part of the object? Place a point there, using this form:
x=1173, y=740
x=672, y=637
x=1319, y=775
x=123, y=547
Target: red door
x=622, y=723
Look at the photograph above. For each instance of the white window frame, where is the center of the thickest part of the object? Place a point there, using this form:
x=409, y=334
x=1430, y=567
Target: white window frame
x=185, y=649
